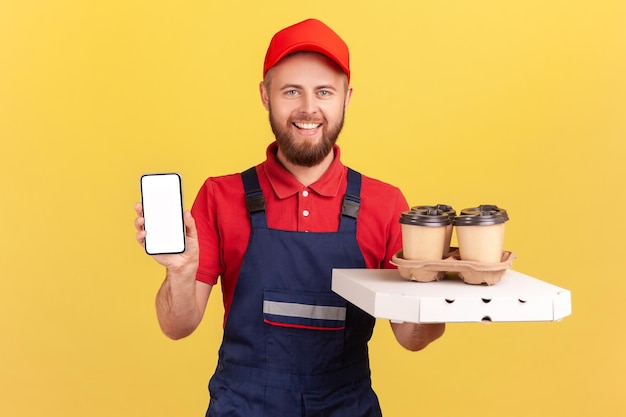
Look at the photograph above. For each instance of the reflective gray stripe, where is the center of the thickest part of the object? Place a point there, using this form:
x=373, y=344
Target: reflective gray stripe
x=304, y=310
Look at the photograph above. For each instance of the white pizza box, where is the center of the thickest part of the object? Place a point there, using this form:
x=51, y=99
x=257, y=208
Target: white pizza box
x=383, y=293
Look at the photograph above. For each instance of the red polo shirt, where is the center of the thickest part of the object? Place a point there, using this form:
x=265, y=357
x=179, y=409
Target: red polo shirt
x=224, y=226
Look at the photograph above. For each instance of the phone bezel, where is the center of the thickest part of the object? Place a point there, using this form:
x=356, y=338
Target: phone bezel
x=161, y=249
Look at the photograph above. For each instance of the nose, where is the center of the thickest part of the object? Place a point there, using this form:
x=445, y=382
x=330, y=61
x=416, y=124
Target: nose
x=308, y=104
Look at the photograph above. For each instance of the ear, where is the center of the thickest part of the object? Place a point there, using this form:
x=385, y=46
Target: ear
x=265, y=98
x=348, y=96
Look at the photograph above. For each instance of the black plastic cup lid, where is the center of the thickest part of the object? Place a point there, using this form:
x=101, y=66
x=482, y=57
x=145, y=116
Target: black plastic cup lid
x=427, y=217
x=442, y=207
x=483, y=215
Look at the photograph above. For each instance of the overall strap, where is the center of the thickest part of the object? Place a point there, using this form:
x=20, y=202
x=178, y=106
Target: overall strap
x=351, y=202
x=255, y=202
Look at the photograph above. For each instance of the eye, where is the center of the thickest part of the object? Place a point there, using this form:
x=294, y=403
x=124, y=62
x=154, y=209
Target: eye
x=324, y=93
x=291, y=92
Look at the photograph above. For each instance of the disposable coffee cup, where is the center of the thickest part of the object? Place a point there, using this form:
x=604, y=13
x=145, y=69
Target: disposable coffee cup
x=446, y=209
x=480, y=233
x=423, y=234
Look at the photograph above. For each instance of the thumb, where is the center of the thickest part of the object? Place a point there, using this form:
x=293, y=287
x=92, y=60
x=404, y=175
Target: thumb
x=190, y=225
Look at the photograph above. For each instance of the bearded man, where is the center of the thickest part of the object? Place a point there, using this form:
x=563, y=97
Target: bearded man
x=273, y=234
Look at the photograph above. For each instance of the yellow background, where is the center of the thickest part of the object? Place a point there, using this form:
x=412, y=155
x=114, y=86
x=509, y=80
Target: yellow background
x=520, y=104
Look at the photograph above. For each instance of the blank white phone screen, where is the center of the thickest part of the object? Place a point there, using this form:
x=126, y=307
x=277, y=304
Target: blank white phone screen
x=161, y=196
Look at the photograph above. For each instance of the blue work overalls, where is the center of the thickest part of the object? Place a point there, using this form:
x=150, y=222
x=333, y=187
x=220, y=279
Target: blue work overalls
x=291, y=346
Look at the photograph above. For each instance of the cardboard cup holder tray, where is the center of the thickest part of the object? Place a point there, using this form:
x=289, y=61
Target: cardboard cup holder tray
x=470, y=272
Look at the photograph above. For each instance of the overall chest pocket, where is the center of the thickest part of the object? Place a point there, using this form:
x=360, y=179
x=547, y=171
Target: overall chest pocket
x=304, y=331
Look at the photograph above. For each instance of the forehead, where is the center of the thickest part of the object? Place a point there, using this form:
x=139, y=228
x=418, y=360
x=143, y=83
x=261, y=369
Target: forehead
x=307, y=67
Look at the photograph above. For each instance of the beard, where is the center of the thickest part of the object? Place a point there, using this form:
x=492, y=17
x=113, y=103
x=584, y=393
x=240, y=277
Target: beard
x=301, y=151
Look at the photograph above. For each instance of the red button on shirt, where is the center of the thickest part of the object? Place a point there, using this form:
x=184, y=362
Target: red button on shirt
x=224, y=226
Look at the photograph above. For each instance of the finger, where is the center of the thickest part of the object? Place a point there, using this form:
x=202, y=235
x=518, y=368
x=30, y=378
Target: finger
x=139, y=222
x=141, y=237
x=139, y=209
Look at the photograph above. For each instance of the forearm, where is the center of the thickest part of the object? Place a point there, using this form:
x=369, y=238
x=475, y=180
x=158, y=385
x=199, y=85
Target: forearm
x=416, y=336
x=178, y=312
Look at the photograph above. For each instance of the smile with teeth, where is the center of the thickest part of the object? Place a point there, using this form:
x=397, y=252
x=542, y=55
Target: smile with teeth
x=307, y=126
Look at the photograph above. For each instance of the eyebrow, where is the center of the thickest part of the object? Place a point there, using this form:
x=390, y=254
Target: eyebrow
x=300, y=87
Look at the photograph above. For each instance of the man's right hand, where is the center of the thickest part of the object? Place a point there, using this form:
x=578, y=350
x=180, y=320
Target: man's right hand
x=181, y=300
x=180, y=263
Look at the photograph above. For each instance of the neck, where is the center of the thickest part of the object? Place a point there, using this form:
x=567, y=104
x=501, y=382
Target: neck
x=307, y=175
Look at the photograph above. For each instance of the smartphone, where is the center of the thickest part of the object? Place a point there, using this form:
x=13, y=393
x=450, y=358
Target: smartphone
x=162, y=199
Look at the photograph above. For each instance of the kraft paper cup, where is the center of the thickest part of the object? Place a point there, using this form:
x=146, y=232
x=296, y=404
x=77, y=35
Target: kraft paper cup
x=446, y=209
x=480, y=233
x=423, y=234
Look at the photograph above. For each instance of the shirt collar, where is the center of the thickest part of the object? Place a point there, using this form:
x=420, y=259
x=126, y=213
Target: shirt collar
x=285, y=184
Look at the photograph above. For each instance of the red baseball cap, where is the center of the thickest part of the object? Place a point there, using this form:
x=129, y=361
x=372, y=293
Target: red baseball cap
x=309, y=35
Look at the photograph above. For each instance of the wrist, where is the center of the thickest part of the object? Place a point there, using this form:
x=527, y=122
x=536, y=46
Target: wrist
x=181, y=274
